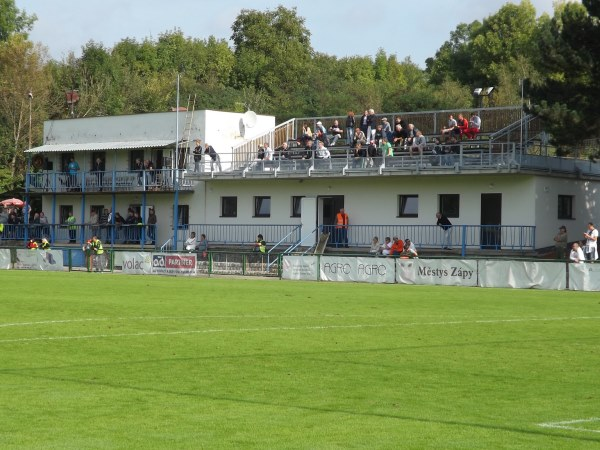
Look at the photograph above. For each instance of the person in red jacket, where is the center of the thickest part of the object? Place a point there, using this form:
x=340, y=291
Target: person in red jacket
x=397, y=247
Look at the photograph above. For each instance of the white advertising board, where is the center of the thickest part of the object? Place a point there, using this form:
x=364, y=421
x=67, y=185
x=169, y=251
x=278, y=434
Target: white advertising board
x=136, y=263
x=522, y=274
x=174, y=264
x=447, y=272
x=4, y=259
x=39, y=260
x=584, y=277
x=366, y=270
x=299, y=268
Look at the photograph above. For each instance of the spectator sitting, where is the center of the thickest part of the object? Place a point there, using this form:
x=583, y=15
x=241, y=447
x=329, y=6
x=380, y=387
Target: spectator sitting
x=190, y=243
x=411, y=134
x=321, y=133
x=397, y=247
x=306, y=134
x=322, y=151
x=419, y=143
x=398, y=136
x=269, y=153
x=447, y=131
x=359, y=137
x=474, y=126
x=375, y=246
x=386, y=247
x=409, y=249
x=336, y=132
x=461, y=125
x=386, y=128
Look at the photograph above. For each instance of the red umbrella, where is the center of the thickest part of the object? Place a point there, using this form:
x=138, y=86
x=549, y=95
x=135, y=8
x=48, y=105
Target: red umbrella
x=12, y=202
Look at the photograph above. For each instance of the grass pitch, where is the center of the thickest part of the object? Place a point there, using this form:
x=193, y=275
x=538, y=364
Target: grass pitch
x=115, y=361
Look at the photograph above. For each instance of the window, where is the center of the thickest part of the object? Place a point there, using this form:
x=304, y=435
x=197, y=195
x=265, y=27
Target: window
x=228, y=206
x=408, y=206
x=183, y=216
x=133, y=155
x=262, y=206
x=297, y=205
x=565, y=207
x=450, y=205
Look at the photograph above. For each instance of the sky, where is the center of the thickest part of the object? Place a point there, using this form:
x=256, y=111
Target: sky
x=414, y=28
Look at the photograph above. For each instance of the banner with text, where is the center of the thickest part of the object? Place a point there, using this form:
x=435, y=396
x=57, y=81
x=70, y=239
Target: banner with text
x=584, y=277
x=299, y=268
x=39, y=260
x=367, y=270
x=174, y=264
x=447, y=272
x=135, y=263
x=522, y=274
x=4, y=258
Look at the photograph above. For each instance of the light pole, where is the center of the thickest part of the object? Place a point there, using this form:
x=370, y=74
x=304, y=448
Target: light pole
x=522, y=83
x=30, y=95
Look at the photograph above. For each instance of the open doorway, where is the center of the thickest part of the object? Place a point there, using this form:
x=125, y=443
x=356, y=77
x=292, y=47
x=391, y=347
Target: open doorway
x=328, y=207
x=491, y=221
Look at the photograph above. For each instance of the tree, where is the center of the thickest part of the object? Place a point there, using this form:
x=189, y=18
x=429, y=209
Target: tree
x=570, y=45
x=22, y=71
x=13, y=20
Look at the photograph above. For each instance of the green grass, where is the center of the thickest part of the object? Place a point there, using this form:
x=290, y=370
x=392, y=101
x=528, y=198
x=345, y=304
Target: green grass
x=115, y=361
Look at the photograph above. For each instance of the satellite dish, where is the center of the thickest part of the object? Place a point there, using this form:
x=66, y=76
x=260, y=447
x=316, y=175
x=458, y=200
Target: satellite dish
x=249, y=119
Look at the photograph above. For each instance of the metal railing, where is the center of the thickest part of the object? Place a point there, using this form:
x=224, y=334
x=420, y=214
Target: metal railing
x=108, y=181
x=242, y=234
x=127, y=234
x=484, y=237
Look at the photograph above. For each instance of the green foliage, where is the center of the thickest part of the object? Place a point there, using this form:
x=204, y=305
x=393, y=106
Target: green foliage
x=13, y=20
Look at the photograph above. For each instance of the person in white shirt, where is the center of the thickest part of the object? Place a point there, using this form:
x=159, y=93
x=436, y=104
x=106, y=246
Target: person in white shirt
x=190, y=243
x=269, y=153
x=386, y=247
x=591, y=243
x=576, y=254
x=410, y=249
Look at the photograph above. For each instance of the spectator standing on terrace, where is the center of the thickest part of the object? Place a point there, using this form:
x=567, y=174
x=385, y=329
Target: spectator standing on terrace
x=72, y=227
x=152, y=220
x=44, y=224
x=203, y=246
x=364, y=122
x=576, y=254
x=474, y=126
x=442, y=221
x=214, y=157
x=260, y=245
x=591, y=243
x=560, y=243
x=94, y=223
x=139, y=168
x=341, y=228
x=386, y=148
x=72, y=168
x=419, y=143
x=99, y=170
x=197, y=155
x=386, y=128
x=350, y=125
x=371, y=125
x=335, y=131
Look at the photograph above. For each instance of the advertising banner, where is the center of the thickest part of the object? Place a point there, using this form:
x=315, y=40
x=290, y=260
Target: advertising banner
x=39, y=260
x=136, y=263
x=4, y=259
x=299, y=268
x=366, y=270
x=522, y=274
x=174, y=264
x=447, y=272
x=584, y=277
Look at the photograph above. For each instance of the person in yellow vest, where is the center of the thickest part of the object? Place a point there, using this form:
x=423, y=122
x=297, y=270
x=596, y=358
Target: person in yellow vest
x=341, y=229
x=98, y=254
x=72, y=227
x=45, y=244
x=260, y=245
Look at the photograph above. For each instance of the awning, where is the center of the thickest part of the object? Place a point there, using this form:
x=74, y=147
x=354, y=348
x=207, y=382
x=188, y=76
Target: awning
x=94, y=146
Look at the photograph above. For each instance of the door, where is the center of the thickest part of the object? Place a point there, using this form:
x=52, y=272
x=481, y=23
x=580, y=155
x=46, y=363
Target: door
x=329, y=206
x=491, y=221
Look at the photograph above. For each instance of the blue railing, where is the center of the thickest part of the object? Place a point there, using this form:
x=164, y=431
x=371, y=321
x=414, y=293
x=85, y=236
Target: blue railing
x=242, y=234
x=108, y=181
x=79, y=233
x=485, y=237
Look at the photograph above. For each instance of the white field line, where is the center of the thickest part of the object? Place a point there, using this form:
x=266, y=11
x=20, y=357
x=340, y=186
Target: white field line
x=568, y=425
x=300, y=328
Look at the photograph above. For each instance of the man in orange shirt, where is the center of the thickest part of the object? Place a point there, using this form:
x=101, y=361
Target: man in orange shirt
x=397, y=246
x=341, y=229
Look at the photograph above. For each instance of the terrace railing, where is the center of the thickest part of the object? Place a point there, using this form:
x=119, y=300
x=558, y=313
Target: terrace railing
x=243, y=234
x=107, y=181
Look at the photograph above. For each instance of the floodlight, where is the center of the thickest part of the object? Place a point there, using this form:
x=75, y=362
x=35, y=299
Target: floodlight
x=477, y=92
x=489, y=90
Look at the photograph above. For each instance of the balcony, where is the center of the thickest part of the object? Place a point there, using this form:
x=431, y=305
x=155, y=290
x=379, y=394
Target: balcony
x=108, y=181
